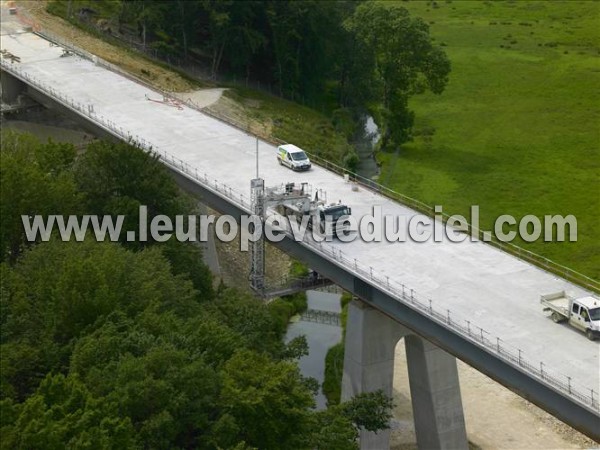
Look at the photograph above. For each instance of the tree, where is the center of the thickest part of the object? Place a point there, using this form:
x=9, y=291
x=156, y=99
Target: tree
x=36, y=180
x=146, y=14
x=116, y=178
x=60, y=291
x=102, y=346
x=405, y=62
x=246, y=36
x=62, y=413
x=266, y=400
x=368, y=410
x=333, y=431
x=219, y=29
x=186, y=259
x=258, y=329
x=304, y=38
x=104, y=176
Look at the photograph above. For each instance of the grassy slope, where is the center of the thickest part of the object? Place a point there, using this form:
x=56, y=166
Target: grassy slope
x=159, y=75
x=291, y=122
x=266, y=115
x=517, y=130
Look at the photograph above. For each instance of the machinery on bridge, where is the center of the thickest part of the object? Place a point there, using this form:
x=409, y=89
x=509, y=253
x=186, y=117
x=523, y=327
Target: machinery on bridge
x=297, y=203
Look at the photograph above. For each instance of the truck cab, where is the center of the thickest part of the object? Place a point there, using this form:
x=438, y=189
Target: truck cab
x=330, y=215
x=585, y=315
x=293, y=157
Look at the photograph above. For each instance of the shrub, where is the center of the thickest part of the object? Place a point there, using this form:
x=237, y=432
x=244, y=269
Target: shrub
x=334, y=370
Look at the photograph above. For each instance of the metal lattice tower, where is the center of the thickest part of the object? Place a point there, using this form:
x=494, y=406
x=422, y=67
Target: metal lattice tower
x=257, y=249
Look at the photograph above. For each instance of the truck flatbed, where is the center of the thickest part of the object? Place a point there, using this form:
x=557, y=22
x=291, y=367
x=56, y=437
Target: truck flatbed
x=558, y=303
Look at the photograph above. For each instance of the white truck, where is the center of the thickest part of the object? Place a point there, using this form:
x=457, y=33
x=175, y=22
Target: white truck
x=582, y=313
x=323, y=218
x=293, y=157
x=295, y=202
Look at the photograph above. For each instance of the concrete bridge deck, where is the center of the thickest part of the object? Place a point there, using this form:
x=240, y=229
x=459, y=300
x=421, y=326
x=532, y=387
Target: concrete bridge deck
x=476, y=282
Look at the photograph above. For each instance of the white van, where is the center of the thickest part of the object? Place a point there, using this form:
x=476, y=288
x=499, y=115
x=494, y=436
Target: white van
x=293, y=157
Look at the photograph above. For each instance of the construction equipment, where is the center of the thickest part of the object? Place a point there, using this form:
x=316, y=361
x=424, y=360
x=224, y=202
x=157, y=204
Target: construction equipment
x=313, y=213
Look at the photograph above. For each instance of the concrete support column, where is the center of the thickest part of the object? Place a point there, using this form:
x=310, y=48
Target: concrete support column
x=209, y=249
x=435, y=393
x=10, y=88
x=370, y=344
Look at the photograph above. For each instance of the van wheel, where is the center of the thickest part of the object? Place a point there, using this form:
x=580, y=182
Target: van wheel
x=556, y=317
x=589, y=334
x=280, y=162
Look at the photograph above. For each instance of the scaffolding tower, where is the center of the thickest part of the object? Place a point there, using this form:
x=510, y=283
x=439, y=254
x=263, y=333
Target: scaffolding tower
x=257, y=249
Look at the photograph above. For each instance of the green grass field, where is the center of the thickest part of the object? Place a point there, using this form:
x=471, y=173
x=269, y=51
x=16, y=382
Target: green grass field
x=517, y=130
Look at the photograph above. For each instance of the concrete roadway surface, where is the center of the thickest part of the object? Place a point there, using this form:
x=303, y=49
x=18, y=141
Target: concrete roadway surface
x=477, y=282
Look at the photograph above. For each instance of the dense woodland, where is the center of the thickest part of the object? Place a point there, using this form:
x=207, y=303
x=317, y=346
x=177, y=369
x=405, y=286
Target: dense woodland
x=351, y=55
x=129, y=346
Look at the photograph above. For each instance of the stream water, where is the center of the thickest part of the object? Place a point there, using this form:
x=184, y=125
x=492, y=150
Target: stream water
x=364, y=143
x=320, y=338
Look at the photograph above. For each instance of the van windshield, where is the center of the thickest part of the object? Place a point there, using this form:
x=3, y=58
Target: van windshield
x=595, y=314
x=299, y=156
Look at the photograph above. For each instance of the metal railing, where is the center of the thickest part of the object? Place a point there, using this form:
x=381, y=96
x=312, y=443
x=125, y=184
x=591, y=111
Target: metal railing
x=397, y=290
x=465, y=328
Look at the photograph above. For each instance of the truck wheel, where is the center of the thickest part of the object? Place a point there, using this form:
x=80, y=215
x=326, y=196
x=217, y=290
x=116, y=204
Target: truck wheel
x=556, y=317
x=589, y=334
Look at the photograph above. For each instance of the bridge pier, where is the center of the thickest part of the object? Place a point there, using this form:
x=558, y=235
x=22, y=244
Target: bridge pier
x=10, y=88
x=371, y=339
x=435, y=393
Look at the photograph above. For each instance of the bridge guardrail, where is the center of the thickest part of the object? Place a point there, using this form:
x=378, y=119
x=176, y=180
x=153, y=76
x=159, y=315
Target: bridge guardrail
x=395, y=289
x=465, y=328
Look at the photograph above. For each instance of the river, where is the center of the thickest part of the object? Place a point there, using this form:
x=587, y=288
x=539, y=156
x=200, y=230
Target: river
x=320, y=338
x=364, y=143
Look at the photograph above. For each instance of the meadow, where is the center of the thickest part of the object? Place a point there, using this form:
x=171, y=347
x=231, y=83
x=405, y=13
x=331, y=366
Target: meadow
x=517, y=130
